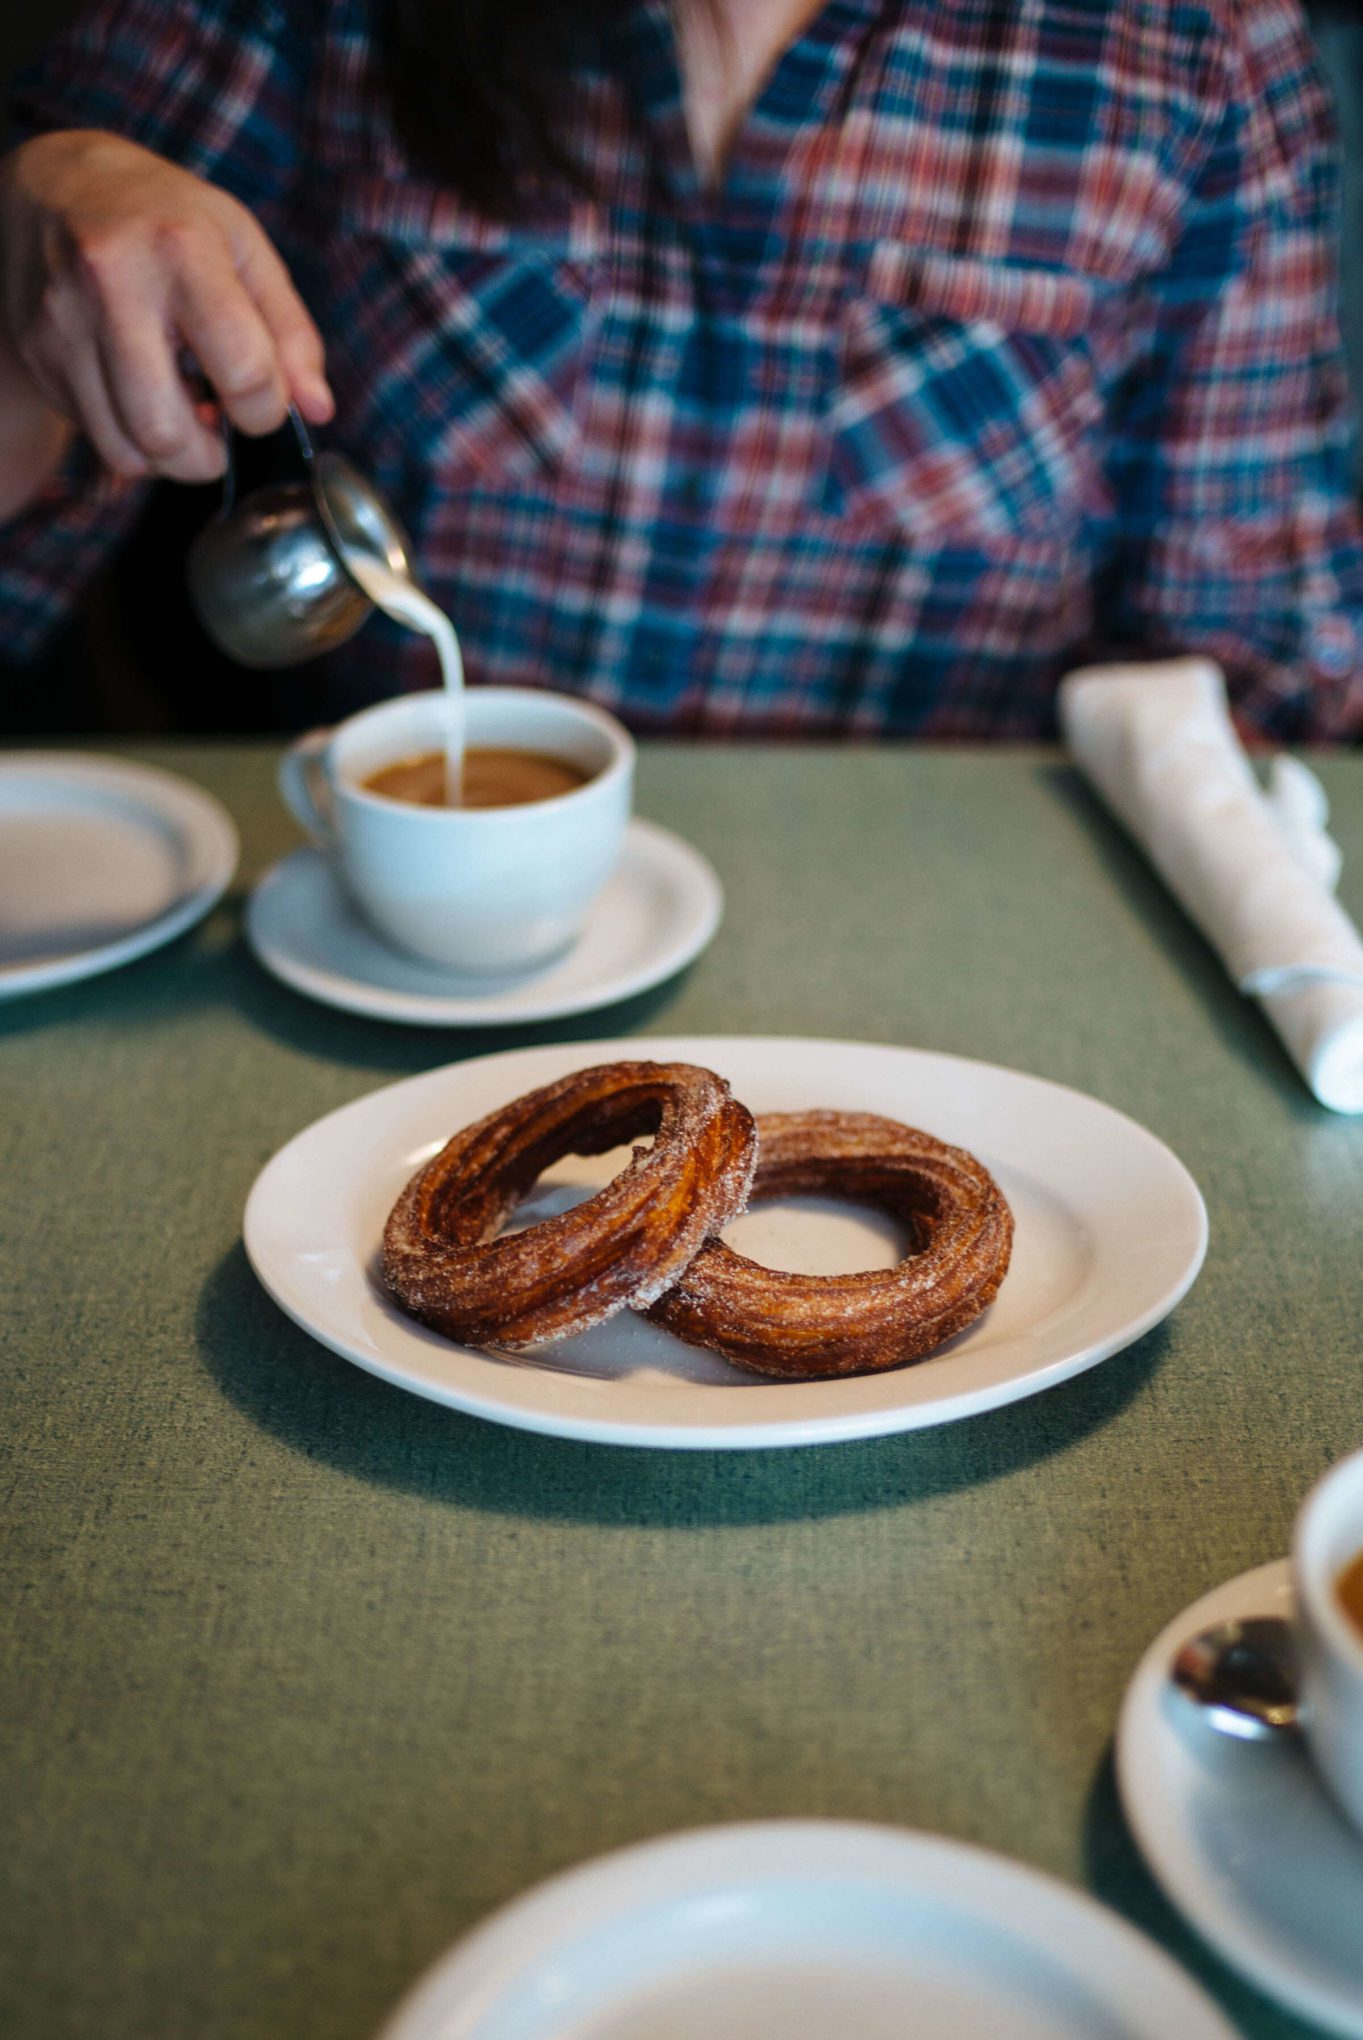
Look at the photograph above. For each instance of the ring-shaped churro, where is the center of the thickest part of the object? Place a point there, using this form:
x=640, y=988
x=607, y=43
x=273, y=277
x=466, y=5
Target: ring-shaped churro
x=807, y=1327
x=622, y=1246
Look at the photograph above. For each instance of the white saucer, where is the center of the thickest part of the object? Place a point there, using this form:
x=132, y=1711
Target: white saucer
x=1242, y=1835
x=100, y=861
x=821, y=1930
x=658, y=911
x=1110, y=1234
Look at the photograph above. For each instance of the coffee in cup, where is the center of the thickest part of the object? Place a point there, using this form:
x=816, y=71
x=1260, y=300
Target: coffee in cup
x=483, y=889
x=1349, y=1587
x=491, y=775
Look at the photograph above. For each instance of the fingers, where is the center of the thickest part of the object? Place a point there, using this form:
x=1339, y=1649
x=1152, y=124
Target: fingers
x=61, y=358
x=219, y=320
x=101, y=353
x=151, y=404
x=83, y=396
x=106, y=278
x=297, y=340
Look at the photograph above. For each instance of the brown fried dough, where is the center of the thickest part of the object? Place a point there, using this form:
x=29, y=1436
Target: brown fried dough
x=806, y=1327
x=444, y=1264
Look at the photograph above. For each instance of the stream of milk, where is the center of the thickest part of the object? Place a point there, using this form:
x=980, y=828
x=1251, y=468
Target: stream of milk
x=401, y=599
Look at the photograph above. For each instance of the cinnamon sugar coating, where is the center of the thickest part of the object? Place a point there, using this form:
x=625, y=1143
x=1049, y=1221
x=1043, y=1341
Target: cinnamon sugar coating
x=624, y=1246
x=807, y=1327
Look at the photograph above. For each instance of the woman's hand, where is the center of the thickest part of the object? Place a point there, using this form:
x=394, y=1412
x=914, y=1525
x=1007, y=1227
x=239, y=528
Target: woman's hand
x=113, y=264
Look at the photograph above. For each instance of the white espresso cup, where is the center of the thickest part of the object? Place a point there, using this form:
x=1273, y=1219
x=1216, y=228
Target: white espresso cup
x=485, y=890
x=1328, y=1537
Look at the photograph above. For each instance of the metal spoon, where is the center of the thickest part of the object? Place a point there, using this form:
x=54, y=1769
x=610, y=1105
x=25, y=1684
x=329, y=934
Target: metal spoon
x=1244, y=1676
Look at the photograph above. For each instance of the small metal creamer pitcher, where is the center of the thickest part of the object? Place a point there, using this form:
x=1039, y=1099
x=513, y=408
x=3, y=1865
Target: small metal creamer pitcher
x=269, y=578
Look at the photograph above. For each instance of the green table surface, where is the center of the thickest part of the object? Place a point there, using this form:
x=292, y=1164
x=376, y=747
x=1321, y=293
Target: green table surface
x=301, y=1675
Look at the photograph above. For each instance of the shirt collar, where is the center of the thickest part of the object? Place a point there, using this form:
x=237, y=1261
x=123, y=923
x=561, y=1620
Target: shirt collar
x=800, y=93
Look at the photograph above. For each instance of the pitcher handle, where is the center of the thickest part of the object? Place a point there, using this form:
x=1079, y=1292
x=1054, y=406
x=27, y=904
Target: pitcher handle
x=301, y=434
x=306, y=789
x=229, y=471
x=201, y=391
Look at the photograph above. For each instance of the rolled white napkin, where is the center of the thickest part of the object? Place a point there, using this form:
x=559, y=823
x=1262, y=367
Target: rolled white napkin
x=1255, y=870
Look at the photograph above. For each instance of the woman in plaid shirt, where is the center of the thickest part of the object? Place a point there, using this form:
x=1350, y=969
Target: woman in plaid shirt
x=787, y=368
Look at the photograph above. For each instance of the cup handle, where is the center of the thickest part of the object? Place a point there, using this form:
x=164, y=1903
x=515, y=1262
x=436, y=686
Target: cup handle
x=305, y=788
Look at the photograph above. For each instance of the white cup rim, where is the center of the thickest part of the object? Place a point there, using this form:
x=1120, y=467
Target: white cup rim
x=621, y=761
x=1316, y=1572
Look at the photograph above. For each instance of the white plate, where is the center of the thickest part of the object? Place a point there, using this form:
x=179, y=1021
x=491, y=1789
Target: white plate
x=1242, y=1835
x=658, y=911
x=100, y=861
x=805, y=1930
x=1110, y=1233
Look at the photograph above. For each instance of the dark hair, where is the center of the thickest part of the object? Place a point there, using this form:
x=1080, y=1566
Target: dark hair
x=478, y=93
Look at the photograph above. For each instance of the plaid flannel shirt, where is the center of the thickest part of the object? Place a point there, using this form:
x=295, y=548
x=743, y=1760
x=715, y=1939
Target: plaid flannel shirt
x=1008, y=341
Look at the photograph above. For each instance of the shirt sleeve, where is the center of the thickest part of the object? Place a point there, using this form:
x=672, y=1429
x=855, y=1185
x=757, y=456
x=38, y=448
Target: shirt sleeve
x=1232, y=463
x=218, y=87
